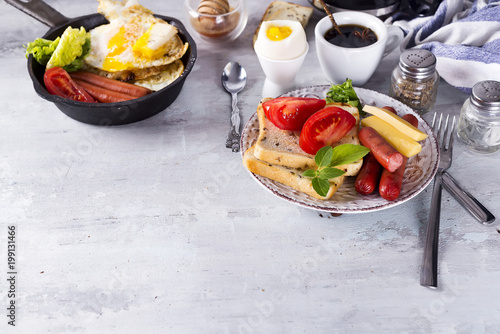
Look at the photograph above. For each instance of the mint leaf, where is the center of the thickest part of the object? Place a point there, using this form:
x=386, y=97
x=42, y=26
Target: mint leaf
x=327, y=158
x=310, y=173
x=330, y=173
x=347, y=153
x=321, y=186
x=323, y=156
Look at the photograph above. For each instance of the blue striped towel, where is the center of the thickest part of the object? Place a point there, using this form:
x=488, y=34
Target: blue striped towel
x=465, y=38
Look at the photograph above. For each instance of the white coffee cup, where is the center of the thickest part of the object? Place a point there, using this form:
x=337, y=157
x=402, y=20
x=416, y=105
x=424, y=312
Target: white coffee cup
x=358, y=64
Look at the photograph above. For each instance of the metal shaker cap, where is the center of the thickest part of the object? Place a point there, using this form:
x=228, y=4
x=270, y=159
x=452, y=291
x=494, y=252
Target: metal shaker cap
x=417, y=63
x=486, y=95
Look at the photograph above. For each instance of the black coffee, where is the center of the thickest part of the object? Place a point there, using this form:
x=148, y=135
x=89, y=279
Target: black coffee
x=353, y=36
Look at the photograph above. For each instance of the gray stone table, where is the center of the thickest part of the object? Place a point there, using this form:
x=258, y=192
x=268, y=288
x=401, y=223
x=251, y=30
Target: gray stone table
x=156, y=227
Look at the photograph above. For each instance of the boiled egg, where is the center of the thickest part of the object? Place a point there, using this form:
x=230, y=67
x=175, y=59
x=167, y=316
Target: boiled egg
x=281, y=39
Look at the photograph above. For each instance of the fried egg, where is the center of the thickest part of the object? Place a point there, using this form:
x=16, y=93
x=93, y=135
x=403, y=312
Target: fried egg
x=134, y=39
x=281, y=39
x=163, y=78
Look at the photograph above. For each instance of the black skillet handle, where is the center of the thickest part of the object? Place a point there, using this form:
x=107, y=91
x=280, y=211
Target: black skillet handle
x=40, y=11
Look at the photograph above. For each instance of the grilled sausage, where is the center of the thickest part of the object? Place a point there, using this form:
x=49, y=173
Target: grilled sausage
x=390, y=183
x=368, y=176
x=115, y=85
x=104, y=95
x=385, y=154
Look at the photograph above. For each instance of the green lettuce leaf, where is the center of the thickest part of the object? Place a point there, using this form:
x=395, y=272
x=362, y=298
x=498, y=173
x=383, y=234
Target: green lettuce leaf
x=77, y=64
x=344, y=93
x=42, y=49
x=67, y=51
x=69, y=48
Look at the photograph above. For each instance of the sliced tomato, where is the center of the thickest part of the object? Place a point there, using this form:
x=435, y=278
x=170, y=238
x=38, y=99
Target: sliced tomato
x=290, y=113
x=325, y=128
x=58, y=82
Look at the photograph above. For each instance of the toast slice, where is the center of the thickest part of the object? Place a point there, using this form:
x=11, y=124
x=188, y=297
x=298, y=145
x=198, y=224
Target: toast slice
x=288, y=176
x=281, y=10
x=280, y=147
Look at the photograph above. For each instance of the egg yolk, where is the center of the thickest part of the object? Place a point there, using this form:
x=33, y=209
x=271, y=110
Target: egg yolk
x=142, y=49
x=117, y=45
x=278, y=33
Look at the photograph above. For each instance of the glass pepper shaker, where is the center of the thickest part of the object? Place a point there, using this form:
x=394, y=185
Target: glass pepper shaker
x=414, y=81
x=479, y=122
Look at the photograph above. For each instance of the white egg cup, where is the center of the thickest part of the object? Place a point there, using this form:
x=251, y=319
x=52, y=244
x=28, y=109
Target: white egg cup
x=280, y=74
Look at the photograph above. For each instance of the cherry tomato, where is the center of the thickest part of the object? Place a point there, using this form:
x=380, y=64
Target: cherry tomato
x=58, y=82
x=391, y=109
x=326, y=127
x=290, y=113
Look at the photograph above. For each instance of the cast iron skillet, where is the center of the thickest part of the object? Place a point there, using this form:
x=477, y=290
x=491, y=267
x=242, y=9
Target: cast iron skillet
x=102, y=113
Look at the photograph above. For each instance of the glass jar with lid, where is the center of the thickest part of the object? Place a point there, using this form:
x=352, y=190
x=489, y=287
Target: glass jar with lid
x=479, y=122
x=414, y=81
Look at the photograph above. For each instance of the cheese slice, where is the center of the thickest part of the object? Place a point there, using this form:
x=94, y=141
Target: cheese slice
x=401, y=142
x=396, y=122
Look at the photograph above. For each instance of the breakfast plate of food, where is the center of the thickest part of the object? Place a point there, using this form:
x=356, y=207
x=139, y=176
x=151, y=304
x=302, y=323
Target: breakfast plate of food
x=118, y=66
x=278, y=163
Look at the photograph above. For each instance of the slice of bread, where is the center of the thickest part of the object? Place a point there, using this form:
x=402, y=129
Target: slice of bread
x=288, y=176
x=281, y=10
x=280, y=147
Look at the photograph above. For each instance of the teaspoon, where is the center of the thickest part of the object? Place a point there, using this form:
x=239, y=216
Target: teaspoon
x=234, y=79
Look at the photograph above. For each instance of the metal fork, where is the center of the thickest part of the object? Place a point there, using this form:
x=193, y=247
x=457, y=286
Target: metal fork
x=428, y=272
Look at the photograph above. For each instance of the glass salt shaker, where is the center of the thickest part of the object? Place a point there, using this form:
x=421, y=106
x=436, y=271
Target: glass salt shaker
x=414, y=81
x=479, y=122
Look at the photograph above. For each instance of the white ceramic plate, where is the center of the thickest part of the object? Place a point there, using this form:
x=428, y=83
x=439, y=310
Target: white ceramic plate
x=419, y=172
